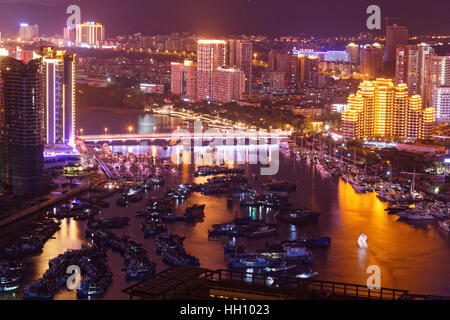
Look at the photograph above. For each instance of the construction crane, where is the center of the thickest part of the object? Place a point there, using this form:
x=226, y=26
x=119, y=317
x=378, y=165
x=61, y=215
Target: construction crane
x=387, y=19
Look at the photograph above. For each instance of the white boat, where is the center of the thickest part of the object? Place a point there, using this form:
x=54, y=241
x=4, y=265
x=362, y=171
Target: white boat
x=417, y=215
x=263, y=231
x=445, y=225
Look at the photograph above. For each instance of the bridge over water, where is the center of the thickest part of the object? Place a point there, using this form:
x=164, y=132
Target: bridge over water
x=178, y=135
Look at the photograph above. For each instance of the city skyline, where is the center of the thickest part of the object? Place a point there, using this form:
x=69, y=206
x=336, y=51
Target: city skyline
x=211, y=18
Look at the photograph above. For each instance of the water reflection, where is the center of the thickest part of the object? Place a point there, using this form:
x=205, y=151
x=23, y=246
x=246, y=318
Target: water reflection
x=412, y=256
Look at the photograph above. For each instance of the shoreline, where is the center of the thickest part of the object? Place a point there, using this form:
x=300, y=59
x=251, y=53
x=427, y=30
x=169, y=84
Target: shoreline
x=110, y=109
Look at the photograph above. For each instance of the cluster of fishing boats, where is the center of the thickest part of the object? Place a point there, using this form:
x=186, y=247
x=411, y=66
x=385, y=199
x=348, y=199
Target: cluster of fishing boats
x=137, y=264
x=32, y=240
x=408, y=203
x=282, y=258
x=243, y=227
x=108, y=223
x=170, y=247
x=94, y=274
x=10, y=275
x=422, y=211
x=76, y=209
x=216, y=170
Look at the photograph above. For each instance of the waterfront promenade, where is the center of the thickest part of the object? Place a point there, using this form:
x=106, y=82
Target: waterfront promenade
x=54, y=199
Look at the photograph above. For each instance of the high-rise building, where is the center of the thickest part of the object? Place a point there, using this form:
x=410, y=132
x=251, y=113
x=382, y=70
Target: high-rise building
x=59, y=94
x=286, y=63
x=27, y=32
x=371, y=60
x=211, y=54
x=307, y=68
x=381, y=109
x=353, y=53
x=21, y=126
x=90, y=33
x=240, y=55
x=414, y=66
x=69, y=35
x=184, y=79
x=228, y=84
x=275, y=82
x=395, y=36
x=440, y=100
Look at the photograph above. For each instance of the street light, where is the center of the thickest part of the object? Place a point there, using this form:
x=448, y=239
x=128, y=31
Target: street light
x=106, y=130
x=130, y=129
x=81, y=131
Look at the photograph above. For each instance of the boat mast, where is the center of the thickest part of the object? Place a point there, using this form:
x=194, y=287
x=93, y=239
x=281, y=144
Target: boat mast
x=413, y=181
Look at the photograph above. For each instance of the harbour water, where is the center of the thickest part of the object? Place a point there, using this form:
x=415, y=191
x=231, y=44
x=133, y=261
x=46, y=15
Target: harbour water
x=411, y=256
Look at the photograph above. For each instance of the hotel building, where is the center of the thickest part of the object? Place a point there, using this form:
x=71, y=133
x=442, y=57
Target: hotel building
x=89, y=34
x=384, y=110
x=184, y=79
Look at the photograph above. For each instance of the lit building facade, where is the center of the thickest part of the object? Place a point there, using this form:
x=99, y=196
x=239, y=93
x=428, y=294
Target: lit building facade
x=211, y=54
x=422, y=70
x=440, y=100
x=353, y=53
x=240, y=55
x=59, y=93
x=89, y=33
x=395, y=36
x=28, y=32
x=21, y=126
x=228, y=84
x=275, y=82
x=371, y=60
x=184, y=79
x=384, y=110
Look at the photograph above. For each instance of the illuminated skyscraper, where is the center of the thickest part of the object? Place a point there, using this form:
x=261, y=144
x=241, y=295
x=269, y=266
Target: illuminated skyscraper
x=353, y=53
x=90, y=33
x=286, y=63
x=382, y=109
x=69, y=35
x=371, y=60
x=395, y=36
x=27, y=32
x=21, y=126
x=184, y=79
x=228, y=84
x=240, y=55
x=59, y=93
x=440, y=100
x=211, y=54
x=414, y=67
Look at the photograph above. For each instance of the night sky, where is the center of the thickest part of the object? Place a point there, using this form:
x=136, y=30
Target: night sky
x=213, y=17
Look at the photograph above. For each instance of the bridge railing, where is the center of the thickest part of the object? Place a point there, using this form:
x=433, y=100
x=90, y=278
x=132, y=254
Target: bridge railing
x=334, y=289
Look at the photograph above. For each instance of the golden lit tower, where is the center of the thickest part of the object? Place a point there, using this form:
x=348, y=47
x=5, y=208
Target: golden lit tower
x=381, y=109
